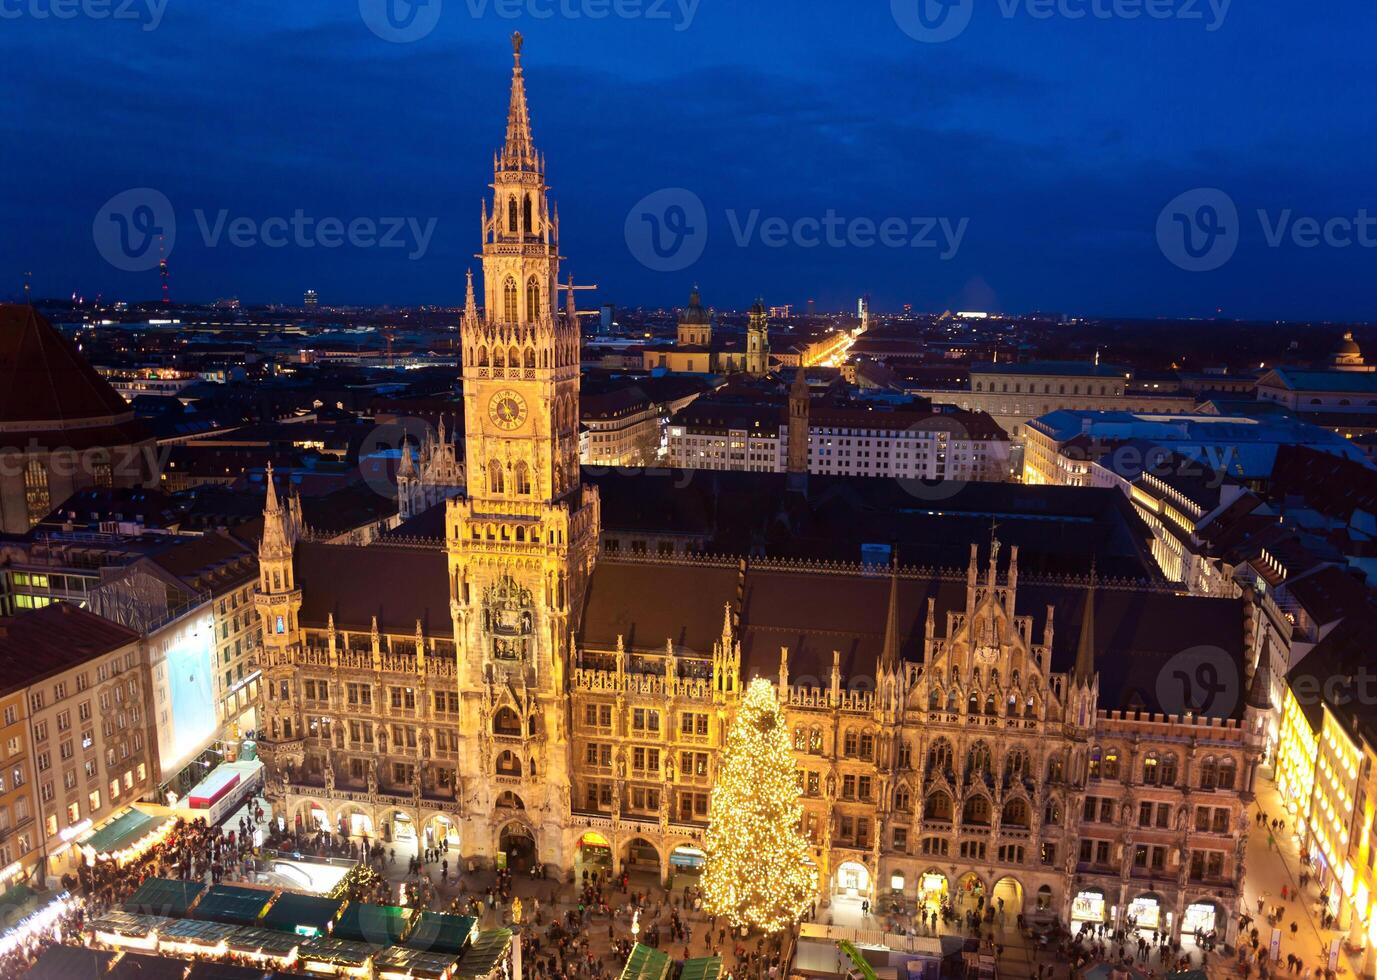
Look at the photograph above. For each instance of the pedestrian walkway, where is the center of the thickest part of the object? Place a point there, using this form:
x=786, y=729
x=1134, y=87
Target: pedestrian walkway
x=1274, y=861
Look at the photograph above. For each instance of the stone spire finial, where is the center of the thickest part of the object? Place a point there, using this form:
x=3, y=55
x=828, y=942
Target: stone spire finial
x=518, y=152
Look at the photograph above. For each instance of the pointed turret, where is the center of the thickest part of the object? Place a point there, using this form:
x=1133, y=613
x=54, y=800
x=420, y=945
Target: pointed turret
x=1085, y=649
x=889, y=655
x=518, y=152
x=470, y=301
x=277, y=534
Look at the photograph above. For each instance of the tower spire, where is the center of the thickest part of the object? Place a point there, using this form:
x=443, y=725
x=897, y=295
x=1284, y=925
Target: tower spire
x=1085, y=649
x=270, y=506
x=889, y=656
x=518, y=153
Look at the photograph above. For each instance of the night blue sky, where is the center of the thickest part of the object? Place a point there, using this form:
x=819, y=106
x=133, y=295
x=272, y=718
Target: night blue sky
x=1057, y=140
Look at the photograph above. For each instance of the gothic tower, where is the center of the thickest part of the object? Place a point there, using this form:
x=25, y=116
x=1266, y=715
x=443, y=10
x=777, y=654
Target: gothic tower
x=522, y=539
x=758, y=341
x=278, y=601
x=798, y=423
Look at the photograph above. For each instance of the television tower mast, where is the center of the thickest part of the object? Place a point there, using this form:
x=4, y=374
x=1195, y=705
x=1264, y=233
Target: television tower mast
x=162, y=271
x=28, y=287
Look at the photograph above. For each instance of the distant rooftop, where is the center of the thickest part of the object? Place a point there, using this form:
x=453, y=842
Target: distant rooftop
x=1083, y=369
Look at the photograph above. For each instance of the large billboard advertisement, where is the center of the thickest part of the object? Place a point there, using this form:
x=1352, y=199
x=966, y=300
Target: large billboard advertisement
x=184, y=688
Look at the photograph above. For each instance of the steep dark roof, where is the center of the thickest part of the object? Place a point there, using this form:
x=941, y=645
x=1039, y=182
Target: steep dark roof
x=47, y=641
x=398, y=585
x=43, y=378
x=688, y=605
x=814, y=612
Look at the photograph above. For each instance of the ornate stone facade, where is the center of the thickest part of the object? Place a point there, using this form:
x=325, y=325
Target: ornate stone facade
x=534, y=703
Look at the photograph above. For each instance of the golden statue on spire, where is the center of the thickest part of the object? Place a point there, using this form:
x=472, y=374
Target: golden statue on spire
x=516, y=43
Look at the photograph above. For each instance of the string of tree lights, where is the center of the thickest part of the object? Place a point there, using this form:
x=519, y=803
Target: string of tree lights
x=757, y=873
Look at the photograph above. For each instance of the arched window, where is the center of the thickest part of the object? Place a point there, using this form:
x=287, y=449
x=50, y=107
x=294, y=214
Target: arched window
x=482, y=357
x=937, y=806
x=990, y=705
x=499, y=357
x=815, y=740
x=934, y=700
x=976, y=811
x=1209, y=773
x=1110, y=768
x=1094, y=763
x=1015, y=814
x=526, y=223
x=973, y=704
x=506, y=722
x=508, y=764
x=1226, y=773
x=509, y=310
x=495, y=477
x=532, y=300
x=522, y=478
x=511, y=215
x=1168, y=775
x=514, y=358
x=1054, y=769
x=530, y=358
x=939, y=757
x=1152, y=768
x=902, y=801
x=1051, y=814
x=800, y=739
x=1015, y=764
x=978, y=760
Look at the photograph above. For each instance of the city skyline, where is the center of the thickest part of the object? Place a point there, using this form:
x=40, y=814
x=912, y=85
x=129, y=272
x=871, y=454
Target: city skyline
x=984, y=148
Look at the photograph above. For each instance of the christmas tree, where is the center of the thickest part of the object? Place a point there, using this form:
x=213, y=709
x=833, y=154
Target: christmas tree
x=757, y=872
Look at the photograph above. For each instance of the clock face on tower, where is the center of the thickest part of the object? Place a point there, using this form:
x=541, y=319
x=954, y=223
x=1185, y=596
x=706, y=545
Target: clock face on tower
x=507, y=410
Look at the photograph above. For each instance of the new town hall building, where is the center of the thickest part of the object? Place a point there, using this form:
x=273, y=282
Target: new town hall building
x=534, y=699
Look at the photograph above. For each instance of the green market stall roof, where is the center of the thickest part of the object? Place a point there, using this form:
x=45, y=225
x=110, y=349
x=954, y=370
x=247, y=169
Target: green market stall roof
x=337, y=952
x=484, y=954
x=255, y=941
x=441, y=932
x=164, y=896
x=419, y=963
x=383, y=925
x=129, y=924
x=194, y=933
x=130, y=827
x=646, y=963
x=702, y=968
x=292, y=911
x=233, y=904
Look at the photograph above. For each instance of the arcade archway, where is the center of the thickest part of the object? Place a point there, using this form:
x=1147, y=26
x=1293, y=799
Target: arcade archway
x=1147, y=914
x=1008, y=899
x=594, y=854
x=516, y=848
x=1089, y=906
x=852, y=880
x=441, y=831
x=641, y=855
x=1204, y=923
x=688, y=858
x=932, y=892
x=311, y=817
x=970, y=894
x=401, y=826
x=354, y=821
